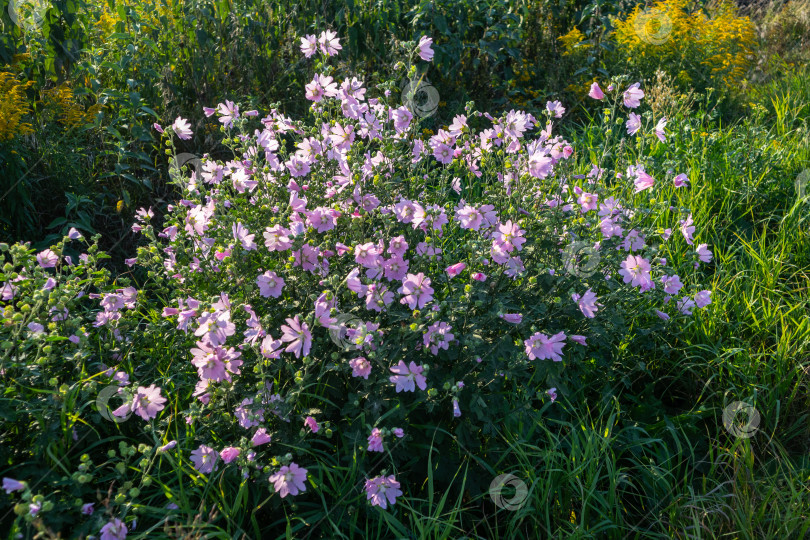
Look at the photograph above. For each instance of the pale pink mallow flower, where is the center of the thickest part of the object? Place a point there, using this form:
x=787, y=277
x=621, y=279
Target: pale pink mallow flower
x=514, y=318
x=407, y=377
x=455, y=269
x=587, y=303
x=242, y=235
x=425, y=50
x=704, y=253
x=643, y=182
x=146, y=403
x=382, y=491
x=541, y=347
x=329, y=44
x=703, y=299
x=672, y=284
x=636, y=271
x=204, y=458
x=375, y=441
x=633, y=96
x=260, y=437
x=416, y=290
x=688, y=229
x=270, y=284
x=309, y=45
x=297, y=334
x=10, y=485
x=576, y=338
x=552, y=393
x=289, y=480
x=685, y=305
x=47, y=258
x=229, y=454
x=555, y=108
x=182, y=128
x=659, y=129
x=633, y=123
x=479, y=276
x=88, y=509
x=360, y=367
x=312, y=424
x=114, y=530
x=456, y=408
x=596, y=92
x=680, y=180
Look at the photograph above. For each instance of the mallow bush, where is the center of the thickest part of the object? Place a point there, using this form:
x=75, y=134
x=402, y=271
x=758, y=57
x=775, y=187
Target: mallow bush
x=332, y=294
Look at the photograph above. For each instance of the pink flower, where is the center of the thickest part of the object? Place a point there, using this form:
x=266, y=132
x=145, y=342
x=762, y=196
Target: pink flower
x=514, y=318
x=455, y=269
x=688, y=229
x=47, y=258
x=643, y=182
x=478, y=276
x=633, y=95
x=456, y=408
x=166, y=447
x=636, y=271
x=425, y=50
x=329, y=45
x=703, y=299
x=228, y=112
x=276, y=238
x=87, y=509
x=309, y=45
x=704, y=253
x=10, y=484
x=659, y=129
x=417, y=291
x=633, y=123
x=685, y=305
x=312, y=424
x=229, y=454
x=402, y=119
x=148, y=402
x=289, y=480
x=182, y=128
x=204, y=458
x=270, y=284
x=552, y=393
x=672, y=284
x=587, y=303
x=360, y=367
x=661, y=315
x=680, y=180
x=576, y=338
x=406, y=376
x=260, y=437
x=596, y=92
x=382, y=491
x=243, y=236
x=114, y=530
x=541, y=347
x=375, y=441
x=438, y=336
x=298, y=336
x=398, y=432
x=555, y=108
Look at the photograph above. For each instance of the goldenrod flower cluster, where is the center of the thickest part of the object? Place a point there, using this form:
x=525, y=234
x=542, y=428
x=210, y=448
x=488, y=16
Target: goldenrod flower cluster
x=718, y=48
x=14, y=107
